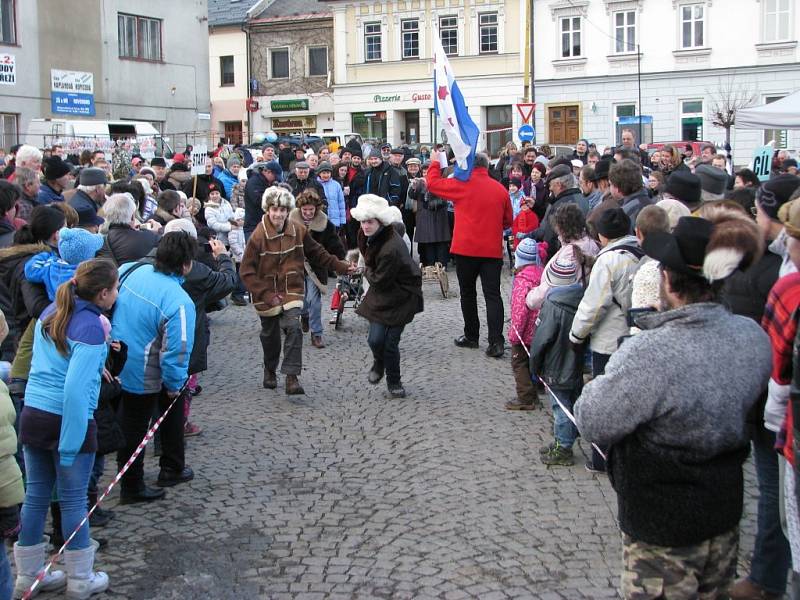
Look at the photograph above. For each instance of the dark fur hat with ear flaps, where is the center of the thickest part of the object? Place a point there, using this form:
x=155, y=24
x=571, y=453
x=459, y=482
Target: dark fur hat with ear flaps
x=735, y=243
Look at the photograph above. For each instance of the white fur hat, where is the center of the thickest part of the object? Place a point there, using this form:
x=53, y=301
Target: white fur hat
x=276, y=196
x=181, y=225
x=238, y=213
x=397, y=216
x=371, y=206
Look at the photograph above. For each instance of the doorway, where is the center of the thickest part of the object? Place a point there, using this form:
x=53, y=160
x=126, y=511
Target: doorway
x=564, y=125
x=410, y=135
x=233, y=132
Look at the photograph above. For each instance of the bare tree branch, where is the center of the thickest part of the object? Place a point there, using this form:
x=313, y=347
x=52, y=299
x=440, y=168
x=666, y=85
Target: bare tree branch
x=726, y=100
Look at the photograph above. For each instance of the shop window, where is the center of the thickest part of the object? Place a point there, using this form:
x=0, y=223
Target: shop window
x=691, y=120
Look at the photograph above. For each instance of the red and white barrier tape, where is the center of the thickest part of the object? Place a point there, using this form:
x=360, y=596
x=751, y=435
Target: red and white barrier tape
x=563, y=408
x=139, y=449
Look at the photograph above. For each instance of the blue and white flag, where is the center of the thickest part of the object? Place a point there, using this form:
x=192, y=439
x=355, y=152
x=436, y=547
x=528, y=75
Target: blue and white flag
x=462, y=133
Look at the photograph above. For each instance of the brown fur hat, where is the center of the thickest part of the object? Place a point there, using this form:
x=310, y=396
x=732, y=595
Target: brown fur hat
x=735, y=243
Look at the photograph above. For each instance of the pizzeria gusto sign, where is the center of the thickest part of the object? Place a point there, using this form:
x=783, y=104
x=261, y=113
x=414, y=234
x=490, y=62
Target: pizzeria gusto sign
x=413, y=98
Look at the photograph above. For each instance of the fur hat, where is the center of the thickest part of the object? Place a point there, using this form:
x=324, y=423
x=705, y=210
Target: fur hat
x=674, y=209
x=238, y=214
x=77, y=245
x=789, y=214
x=735, y=243
x=371, y=206
x=308, y=196
x=397, y=216
x=184, y=225
x=277, y=196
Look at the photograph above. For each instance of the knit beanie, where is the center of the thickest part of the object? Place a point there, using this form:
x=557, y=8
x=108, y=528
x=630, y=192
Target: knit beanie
x=776, y=192
x=527, y=253
x=561, y=271
x=77, y=245
x=515, y=181
x=712, y=179
x=233, y=161
x=613, y=223
x=375, y=153
x=674, y=209
x=685, y=186
x=184, y=225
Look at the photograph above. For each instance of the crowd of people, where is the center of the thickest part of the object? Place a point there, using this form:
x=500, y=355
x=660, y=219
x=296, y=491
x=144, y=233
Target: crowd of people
x=654, y=306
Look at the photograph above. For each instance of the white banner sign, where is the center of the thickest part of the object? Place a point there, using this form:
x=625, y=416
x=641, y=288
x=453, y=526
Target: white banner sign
x=8, y=69
x=78, y=82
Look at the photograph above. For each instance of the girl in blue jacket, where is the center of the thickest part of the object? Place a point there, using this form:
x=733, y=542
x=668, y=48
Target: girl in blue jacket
x=57, y=427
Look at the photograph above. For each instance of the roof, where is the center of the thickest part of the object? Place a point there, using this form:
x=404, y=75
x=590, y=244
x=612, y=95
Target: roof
x=228, y=12
x=282, y=9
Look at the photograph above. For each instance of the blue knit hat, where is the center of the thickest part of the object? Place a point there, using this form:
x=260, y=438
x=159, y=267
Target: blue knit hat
x=77, y=245
x=527, y=253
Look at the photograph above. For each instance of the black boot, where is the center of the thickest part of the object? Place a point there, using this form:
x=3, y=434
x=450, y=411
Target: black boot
x=100, y=517
x=56, y=537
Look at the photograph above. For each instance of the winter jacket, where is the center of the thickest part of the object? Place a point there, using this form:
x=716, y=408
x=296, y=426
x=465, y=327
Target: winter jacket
x=545, y=231
x=50, y=270
x=200, y=191
x=310, y=183
x=523, y=320
x=483, y=211
x=395, y=281
x=273, y=268
x=163, y=217
x=525, y=222
x=12, y=491
x=594, y=199
x=358, y=181
x=324, y=233
x=253, y=191
x=672, y=404
x=69, y=385
x=12, y=302
x=553, y=358
x=337, y=210
x=603, y=309
x=82, y=201
x=177, y=178
x=746, y=292
x=7, y=231
x=126, y=244
x=228, y=180
x=385, y=181
x=516, y=203
x=48, y=195
x=633, y=205
x=218, y=216
x=155, y=317
x=565, y=254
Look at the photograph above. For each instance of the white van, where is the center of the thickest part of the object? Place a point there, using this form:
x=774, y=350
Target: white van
x=336, y=140
x=76, y=136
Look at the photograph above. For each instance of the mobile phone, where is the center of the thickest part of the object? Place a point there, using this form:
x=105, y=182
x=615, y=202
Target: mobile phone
x=207, y=248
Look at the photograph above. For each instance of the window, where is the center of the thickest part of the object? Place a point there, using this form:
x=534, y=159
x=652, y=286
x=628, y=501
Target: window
x=410, y=33
x=777, y=17
x=488, y=32
x=226, y=76
x=372, y=41
x=8, y=21
x=780, y=136
x=279, y=63
x=139, y=37
x=625, y=31
x=318, y=61
x=691, y=120
x=448, y=30
x=499, y=128
x=9, y=135
x=692, y=23
x=570, y=37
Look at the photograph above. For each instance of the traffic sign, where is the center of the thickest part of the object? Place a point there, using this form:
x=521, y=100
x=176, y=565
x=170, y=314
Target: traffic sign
x=526, y=133
x=762, y=162
x=526, y=110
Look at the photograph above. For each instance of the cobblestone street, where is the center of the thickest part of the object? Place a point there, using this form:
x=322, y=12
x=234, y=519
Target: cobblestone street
x=345, y=494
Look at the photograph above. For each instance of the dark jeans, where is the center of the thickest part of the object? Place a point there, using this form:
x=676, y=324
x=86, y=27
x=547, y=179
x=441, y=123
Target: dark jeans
x=240, y=290
x=771, y=554
x=432, y=252
x=384, y=341
x=135, y=413
x=409, y=220
x=287, y=322
x=599, y=362
x=468, y=269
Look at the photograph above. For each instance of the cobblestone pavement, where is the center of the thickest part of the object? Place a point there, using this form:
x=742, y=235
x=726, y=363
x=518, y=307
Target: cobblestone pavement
x=345, y=494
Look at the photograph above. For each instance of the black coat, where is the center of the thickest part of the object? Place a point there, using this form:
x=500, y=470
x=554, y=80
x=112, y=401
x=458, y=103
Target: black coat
x=324, y=233
x=745, y=292
x=310, y=183
x=12, y=264
x=385, y=181
x=395, y=281
x=253, y=190
x=125, y=244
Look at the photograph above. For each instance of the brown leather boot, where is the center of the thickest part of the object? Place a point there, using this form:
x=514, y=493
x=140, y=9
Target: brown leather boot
x=270, y=379
x=316, y=341
x=293, y=387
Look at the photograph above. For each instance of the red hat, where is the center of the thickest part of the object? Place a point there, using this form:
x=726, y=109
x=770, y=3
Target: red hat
x=179, y=158
x=212, y=187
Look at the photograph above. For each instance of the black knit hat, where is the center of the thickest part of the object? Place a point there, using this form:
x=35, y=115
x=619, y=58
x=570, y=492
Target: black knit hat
x=158, y=161
x=776, y=192
x=685, y=186
x=54, y=168
x=613, y=223
x=602, y=168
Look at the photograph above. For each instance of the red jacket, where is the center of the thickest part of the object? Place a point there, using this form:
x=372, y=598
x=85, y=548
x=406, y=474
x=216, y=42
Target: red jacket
x=482, y=211
x=525, y=222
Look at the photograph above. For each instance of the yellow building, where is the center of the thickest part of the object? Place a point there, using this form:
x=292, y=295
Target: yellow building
x=383, y=83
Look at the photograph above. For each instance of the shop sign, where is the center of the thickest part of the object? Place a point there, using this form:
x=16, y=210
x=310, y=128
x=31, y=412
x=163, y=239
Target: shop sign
x=295, y=123
x=72, y=92
x=415, y=97
x=421, y=98
x=288, y=105
x=8, y=69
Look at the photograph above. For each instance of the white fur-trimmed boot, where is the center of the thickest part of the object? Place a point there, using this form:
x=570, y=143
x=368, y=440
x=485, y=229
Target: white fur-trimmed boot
x=30, y=562
x=82, y=580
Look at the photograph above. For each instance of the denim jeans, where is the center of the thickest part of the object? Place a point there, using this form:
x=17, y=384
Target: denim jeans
x=6, y=580
x=312, y=307
x=43, y=471
x=97, y=472
x=599, y=362
x=564, y=430
x=384, y=341
x=771, y=554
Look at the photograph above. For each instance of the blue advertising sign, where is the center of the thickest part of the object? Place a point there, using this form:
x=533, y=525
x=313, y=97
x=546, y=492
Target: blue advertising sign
x=762, y=161
x=72, y=93
x=526, y=133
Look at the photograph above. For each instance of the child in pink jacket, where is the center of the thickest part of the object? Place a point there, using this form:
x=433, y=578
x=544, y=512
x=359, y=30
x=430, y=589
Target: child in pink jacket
x=530, y=258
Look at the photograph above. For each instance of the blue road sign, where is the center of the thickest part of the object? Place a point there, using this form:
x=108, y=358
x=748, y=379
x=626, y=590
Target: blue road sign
x=526, y=133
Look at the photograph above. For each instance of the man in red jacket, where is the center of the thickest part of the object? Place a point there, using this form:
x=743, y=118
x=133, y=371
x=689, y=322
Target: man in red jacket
x=482, y=212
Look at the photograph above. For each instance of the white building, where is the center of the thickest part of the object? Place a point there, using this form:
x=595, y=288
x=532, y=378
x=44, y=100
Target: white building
x=586, y=70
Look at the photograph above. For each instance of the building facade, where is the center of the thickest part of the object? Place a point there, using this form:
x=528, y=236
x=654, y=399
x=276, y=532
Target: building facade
x=383, y=72
x=104, y=60
x=689, y=56
x=291, y=62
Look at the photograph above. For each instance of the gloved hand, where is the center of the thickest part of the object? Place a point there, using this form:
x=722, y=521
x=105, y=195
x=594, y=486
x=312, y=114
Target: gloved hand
x=9, y=521
x=521, y=235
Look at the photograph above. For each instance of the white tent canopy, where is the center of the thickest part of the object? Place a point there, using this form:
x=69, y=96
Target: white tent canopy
x=781, y=114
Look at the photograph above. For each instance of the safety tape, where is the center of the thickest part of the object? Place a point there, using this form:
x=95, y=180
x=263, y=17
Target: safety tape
x=139, y=449
x=563, y=408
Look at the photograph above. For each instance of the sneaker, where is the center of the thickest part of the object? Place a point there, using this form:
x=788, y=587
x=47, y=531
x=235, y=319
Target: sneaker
x=191, y=430
x=546, y=449
x=396, y=390
x=559, y=456
x=591, y=468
